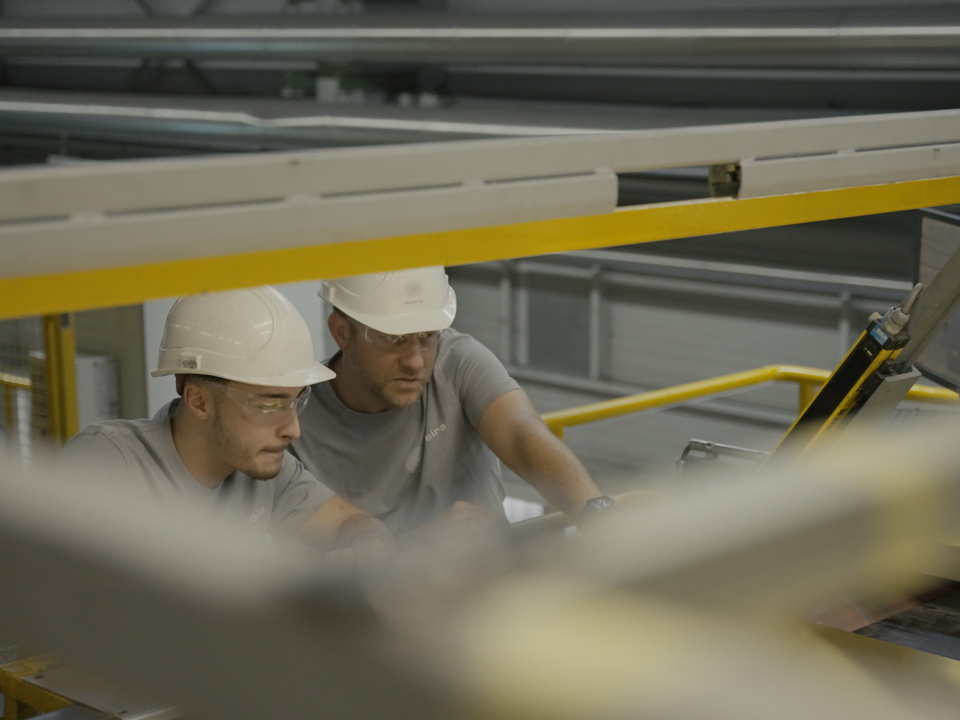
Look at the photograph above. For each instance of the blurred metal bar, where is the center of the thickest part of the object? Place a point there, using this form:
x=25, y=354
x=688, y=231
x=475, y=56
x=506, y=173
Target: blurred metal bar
x=142, y=185
x=696, y=592
x=467, y=39
x=170, y=606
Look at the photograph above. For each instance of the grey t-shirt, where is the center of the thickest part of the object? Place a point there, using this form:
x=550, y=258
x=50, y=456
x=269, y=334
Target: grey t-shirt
x=407, y=465
x=138, y=458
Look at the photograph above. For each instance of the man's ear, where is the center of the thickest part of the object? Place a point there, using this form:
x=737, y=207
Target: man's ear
x=340, y=329
x=198, y=400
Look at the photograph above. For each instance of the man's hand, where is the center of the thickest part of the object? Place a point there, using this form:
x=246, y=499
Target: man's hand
x=352, y=539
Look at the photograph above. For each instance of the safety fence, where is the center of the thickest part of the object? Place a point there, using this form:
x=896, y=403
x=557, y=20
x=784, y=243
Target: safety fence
x=808, y=381
x=21, y=387
x=37, y=385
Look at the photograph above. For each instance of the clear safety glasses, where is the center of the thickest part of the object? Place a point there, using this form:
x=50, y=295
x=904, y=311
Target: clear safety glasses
x=393, y=343
x=265, y=409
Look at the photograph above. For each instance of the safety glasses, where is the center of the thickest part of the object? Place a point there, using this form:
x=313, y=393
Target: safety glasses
x=393, y=343
x=265, y=409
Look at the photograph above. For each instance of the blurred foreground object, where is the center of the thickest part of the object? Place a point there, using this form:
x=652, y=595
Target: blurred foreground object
x=683, y=607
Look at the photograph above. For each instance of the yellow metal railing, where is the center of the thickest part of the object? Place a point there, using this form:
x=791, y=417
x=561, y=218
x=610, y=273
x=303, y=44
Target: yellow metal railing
x=58, y=387
x=809, y=381
x=61, y=377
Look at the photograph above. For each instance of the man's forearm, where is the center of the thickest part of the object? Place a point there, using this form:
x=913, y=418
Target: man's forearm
x=556, y=473
x=515, y=432
x=361, y=526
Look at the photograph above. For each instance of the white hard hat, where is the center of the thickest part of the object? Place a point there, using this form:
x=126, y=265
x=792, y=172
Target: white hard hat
x=252, y=336
x=397, y=302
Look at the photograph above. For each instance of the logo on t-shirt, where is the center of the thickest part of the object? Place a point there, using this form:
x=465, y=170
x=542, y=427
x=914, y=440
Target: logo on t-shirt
x=436, y=431
x=253, y=517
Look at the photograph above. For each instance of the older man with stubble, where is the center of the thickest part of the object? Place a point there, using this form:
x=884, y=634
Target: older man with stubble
x=419, y=416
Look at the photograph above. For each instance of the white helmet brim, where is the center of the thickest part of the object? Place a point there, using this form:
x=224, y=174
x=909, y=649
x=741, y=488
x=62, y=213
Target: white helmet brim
x=399, y=302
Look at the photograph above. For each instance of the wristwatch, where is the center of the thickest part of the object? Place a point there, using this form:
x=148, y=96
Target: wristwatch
x=596, y=506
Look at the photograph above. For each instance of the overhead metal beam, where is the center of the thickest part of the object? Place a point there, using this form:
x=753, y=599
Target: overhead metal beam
x=778, y=176
x=146, y=185
x=89, y=242
x=73, y=237
x=104, y=287
x=467, y=39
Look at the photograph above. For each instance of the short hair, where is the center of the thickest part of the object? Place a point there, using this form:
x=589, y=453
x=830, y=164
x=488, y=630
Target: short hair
x=184, y=378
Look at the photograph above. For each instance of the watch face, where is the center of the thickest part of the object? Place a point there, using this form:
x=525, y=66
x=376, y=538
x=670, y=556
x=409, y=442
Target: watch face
x=598, y=504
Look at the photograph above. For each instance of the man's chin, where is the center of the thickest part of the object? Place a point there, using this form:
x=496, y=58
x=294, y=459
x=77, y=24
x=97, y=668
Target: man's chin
x=262, y=473
x=402, y=400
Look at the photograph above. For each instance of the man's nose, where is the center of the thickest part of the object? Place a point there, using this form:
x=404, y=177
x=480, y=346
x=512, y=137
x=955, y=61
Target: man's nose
x=411, y=355
x=290, y=427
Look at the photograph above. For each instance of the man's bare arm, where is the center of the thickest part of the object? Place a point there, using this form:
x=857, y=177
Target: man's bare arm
x=517, y=435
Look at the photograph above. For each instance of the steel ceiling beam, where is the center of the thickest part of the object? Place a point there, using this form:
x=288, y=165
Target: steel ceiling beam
x=444, y=38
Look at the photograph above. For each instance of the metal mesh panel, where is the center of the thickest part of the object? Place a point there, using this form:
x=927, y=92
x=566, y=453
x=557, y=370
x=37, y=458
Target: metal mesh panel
x=22, y=379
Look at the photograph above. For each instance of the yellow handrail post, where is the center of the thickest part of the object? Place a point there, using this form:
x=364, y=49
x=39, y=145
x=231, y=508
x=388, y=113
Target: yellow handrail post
x=61, y=376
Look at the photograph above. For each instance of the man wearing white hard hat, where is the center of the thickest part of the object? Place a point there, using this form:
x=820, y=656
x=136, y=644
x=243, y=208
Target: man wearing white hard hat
x=412, y=427
x=244, y=368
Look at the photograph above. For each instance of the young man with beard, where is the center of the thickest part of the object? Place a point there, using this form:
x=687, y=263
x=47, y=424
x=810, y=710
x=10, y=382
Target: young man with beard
x=244, y=364
x=412, y=426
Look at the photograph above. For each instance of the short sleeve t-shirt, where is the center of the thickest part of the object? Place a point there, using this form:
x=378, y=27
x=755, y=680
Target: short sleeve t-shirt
x=138, y=458
x=408, y=465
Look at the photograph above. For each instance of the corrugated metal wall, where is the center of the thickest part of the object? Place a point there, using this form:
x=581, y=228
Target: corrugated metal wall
x=655, y=332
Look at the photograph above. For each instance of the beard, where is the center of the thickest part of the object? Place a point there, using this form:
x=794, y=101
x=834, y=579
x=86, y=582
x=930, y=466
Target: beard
x=235, y=454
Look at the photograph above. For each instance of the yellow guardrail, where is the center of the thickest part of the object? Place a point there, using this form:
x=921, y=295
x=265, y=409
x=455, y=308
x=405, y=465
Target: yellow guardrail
x=809, y=381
